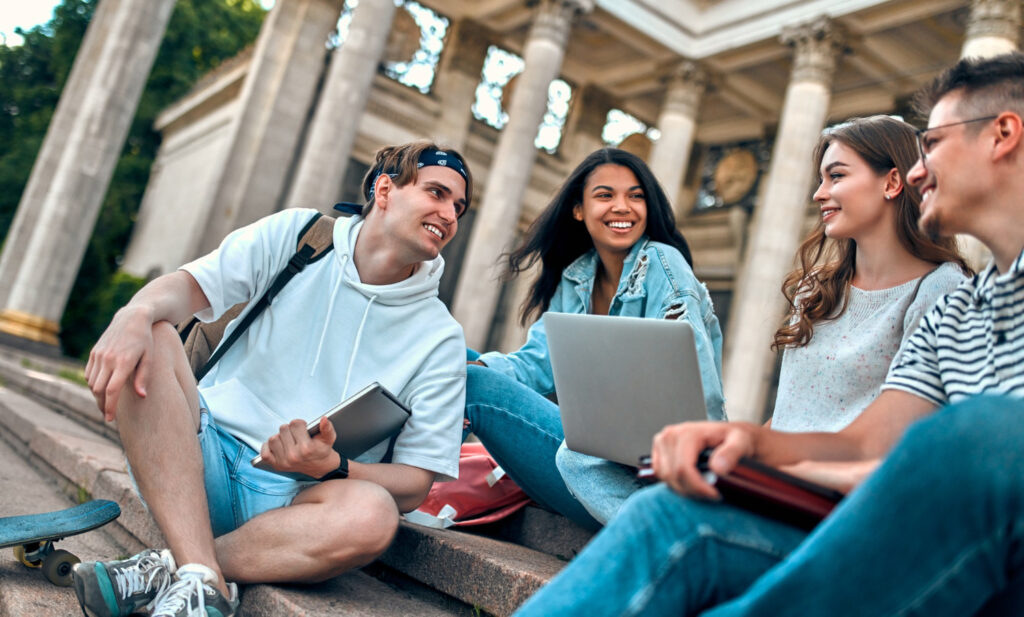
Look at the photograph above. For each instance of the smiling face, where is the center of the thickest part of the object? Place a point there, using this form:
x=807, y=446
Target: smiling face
x=852, y=195
x=614, y=210
x=953, y=178
x=423, y=214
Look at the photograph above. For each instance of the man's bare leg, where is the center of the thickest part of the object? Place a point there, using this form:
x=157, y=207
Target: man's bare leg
x=159, y=437
x=329, y=528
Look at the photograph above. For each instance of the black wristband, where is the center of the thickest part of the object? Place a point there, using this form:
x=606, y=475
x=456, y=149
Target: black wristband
x=338, y=474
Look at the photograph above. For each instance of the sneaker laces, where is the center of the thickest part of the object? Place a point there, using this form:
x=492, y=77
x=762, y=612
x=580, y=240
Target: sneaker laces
x=177, y=597
x=148, y=573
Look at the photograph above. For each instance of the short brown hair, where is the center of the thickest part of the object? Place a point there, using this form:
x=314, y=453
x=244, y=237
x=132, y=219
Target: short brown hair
x=402, y=161
x=988, y=85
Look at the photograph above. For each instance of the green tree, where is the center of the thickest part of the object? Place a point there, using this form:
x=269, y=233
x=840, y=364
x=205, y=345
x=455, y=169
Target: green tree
x=201, y=34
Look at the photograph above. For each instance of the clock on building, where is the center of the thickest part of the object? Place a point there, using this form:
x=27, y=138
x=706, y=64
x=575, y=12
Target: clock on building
x=734, y=175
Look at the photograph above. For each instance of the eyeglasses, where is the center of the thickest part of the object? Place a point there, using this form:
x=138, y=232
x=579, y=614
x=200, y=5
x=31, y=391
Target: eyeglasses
x=926, y=146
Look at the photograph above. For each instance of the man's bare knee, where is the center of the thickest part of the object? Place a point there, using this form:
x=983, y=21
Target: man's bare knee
x=171, y=353
x=368, y=526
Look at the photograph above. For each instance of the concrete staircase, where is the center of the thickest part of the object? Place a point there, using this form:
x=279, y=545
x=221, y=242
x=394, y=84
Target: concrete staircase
x=55, y=451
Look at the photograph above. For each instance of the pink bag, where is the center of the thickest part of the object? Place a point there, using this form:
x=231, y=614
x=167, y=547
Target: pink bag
x=482, y=494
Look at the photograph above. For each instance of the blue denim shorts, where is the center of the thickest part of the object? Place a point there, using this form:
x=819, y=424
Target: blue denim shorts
x=235, y=490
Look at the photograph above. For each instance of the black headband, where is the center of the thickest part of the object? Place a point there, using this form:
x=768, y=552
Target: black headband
x=427, y=158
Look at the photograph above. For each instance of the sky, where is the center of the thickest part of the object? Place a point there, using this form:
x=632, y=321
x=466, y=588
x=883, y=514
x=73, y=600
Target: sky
x=24, y=13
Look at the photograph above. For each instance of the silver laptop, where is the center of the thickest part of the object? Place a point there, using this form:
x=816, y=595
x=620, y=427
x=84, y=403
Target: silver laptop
x=619, y=380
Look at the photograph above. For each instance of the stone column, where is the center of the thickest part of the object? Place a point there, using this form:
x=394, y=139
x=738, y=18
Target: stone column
x=677, y=123
x=273, y=109
x=513, y=335
x=778, y=219
x=477, y=293
x=57, y=212
x=457, y=79
x=993, y=28
x=317, y=184
x=586, y=122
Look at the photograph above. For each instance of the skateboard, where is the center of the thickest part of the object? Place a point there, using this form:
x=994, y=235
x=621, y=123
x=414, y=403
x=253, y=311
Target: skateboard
x=34, y=535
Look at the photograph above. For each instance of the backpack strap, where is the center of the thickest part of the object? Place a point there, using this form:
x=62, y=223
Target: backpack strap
x=315, y=240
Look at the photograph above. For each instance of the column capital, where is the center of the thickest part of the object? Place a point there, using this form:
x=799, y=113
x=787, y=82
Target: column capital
x=816, y=45
x=554, y=18
x=685, y=84
x=995, y=18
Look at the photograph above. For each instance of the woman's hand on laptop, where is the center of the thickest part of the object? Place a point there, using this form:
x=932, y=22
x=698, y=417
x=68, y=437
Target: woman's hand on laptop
x=677, y=447
x=293, y=450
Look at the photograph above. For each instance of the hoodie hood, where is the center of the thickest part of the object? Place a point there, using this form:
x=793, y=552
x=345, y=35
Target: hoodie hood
x=423, y=284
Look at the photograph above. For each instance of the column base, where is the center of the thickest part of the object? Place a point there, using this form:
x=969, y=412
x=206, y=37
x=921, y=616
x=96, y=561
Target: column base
x=29, y=332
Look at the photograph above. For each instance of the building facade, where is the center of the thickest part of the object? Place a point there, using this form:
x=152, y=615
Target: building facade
x=724, y=98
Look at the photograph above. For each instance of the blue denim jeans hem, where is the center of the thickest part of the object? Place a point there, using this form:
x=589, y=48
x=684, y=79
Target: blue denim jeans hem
x=601, y=486
x=522, y=430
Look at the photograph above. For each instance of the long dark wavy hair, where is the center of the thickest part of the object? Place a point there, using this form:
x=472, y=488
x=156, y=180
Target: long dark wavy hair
x=819, y=283
x=557, y=239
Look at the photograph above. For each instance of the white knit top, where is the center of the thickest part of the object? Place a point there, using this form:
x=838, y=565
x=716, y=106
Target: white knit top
x=826, y=384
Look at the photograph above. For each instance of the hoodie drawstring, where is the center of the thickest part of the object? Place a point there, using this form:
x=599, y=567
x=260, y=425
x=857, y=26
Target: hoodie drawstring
x=355, y=347
x=330, y=311
x=327, y=321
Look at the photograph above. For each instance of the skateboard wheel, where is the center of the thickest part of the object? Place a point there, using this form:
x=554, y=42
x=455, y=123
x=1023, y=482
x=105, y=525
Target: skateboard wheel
x=57, y=567
x=21, y=556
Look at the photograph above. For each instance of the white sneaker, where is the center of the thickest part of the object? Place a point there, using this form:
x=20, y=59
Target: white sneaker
x=194, y=594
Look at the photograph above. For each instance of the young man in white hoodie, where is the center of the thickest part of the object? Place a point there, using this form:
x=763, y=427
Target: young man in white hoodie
x=367, y=311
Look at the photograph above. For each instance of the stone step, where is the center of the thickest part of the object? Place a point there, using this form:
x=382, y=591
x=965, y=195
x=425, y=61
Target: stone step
x=61, y=394
x=494, y=575
x=353, y=594
x=24, y=591
x=482, y=572
x=539, y=529
x=78, y=463
x=25, y=490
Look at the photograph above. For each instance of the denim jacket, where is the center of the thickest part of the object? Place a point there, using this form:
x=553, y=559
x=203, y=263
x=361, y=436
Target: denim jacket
x=656, y=283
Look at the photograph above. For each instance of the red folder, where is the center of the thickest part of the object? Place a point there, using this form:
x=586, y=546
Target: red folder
x=768, y=491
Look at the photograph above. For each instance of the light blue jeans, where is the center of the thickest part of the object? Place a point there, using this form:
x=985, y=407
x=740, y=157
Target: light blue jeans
x=937, y=530
x=522, y=431
x=601, y=486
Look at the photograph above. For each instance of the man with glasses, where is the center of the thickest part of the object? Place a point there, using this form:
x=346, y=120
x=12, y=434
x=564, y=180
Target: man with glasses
x=936, y=524
x=365, y=311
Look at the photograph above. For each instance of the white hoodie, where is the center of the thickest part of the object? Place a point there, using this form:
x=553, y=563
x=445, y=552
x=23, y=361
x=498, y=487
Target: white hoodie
x=326, y=336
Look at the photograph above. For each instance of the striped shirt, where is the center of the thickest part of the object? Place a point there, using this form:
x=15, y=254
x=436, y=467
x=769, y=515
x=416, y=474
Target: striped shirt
x=971, y=342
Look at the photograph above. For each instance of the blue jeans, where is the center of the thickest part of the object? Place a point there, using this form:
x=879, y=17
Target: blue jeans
x=601, y=486
x=938, y=529
x=235, y=490
x=522, y=431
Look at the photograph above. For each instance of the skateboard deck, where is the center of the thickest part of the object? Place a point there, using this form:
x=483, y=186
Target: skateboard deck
x=33, y=536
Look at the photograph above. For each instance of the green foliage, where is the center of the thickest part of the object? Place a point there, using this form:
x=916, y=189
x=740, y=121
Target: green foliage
x=85, y=319
x=73, y=376
x=31, y=77
x=201, y=34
